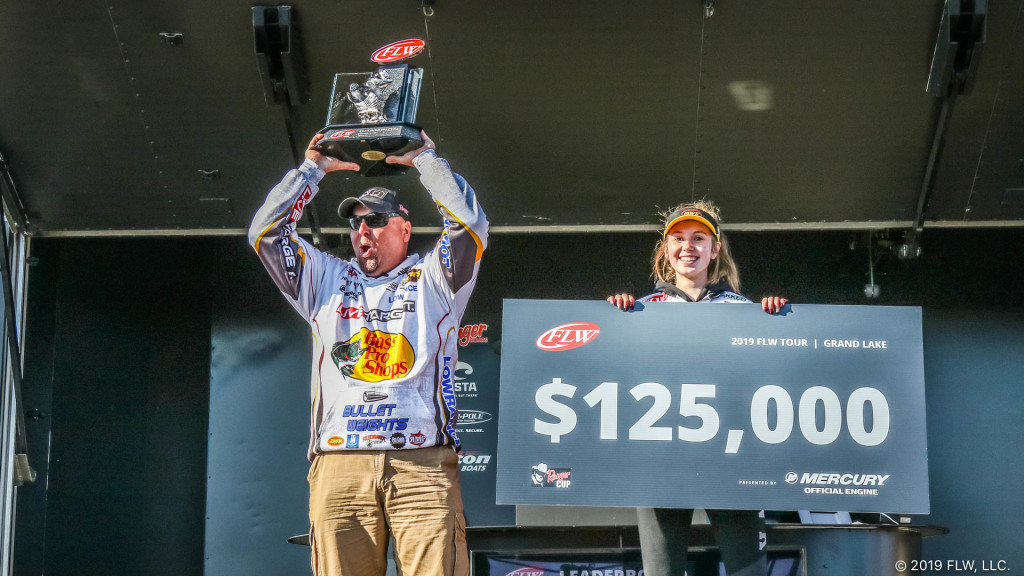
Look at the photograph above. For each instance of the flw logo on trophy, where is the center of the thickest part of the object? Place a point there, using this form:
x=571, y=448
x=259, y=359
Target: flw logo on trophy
x=373, y=114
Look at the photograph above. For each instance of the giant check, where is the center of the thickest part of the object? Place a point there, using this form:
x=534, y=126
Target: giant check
x=716, y=406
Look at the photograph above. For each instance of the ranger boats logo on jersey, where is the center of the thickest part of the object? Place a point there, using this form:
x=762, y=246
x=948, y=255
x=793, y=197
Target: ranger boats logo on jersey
x=398, y=51
x=290, y=253
x=568, y=336
x=374, y=356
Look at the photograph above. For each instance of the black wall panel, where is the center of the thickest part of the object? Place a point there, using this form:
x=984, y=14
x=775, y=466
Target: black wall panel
x=129, y=367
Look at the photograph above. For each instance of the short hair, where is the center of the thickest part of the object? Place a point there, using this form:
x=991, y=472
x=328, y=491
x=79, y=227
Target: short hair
x=722, y=267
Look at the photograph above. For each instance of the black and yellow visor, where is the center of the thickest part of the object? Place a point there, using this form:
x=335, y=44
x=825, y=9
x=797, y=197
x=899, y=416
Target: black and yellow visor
x=693, y=214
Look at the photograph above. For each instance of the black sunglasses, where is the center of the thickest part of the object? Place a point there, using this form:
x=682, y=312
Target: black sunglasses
x=373, y=219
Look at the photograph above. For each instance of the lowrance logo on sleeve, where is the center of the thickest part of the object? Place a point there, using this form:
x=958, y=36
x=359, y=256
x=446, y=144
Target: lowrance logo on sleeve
x=568, y=336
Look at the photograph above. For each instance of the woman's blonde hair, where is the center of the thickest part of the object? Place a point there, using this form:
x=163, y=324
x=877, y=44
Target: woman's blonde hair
x=721, y=267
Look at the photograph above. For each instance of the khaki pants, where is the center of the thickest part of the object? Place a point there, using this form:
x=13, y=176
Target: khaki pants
x=356, y=498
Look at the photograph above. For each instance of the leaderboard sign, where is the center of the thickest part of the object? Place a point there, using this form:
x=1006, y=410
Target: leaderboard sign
x=712, y=406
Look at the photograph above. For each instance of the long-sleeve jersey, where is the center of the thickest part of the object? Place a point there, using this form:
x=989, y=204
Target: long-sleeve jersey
x=715, y=293
x=384, y=348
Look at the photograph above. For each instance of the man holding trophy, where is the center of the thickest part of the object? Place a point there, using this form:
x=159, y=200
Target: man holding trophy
x=385, y=346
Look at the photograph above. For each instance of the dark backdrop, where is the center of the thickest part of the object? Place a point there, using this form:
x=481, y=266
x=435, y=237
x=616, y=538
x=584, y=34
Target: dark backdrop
x=119, y=352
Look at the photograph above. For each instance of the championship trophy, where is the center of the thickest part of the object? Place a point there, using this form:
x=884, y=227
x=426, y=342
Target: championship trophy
x=373, y=114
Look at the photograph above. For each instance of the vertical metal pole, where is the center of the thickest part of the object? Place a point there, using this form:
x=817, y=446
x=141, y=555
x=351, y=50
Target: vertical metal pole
x=14, y=466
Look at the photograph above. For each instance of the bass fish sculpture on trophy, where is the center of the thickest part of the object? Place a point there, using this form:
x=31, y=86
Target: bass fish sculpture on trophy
x=373, y=114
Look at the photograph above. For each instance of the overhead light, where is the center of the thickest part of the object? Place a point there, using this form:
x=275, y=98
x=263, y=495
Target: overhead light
x=752, y=95
x=172, y=38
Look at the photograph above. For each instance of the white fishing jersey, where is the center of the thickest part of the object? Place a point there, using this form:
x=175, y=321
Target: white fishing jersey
x=384, y=348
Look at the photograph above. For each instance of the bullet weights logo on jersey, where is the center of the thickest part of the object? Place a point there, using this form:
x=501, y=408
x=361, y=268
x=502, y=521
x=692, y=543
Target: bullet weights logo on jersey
x=568, y=336
x=543, y=477
x=374, y=356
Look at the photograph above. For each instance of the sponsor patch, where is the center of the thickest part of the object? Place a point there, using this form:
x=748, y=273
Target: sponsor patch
x=445, y=248
x=289, y=254
x=398, y=440
x=448, y=396
x=373, y=440
x=373, y=418
x=418, y=439
x=300, y=203
x=374, y=396
x=353, y=441
x=374, y=356
x=335, y=441
x=375, y=314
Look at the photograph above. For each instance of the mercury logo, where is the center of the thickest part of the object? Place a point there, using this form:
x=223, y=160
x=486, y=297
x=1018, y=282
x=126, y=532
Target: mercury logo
x=825, y=478
x=568, y=336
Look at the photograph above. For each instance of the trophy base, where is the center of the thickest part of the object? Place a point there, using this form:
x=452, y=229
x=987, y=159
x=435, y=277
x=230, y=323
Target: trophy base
x=368, y=145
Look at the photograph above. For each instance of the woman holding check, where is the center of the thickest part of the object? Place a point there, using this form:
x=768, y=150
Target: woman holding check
x=692, y=264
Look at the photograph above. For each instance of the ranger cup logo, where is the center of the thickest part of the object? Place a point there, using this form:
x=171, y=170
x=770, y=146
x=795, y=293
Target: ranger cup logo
x=568, y=336
x=543, y=477
x=374, y=356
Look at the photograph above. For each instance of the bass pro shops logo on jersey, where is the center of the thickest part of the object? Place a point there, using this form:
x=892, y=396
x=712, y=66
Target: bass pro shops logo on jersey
x=374, y=356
